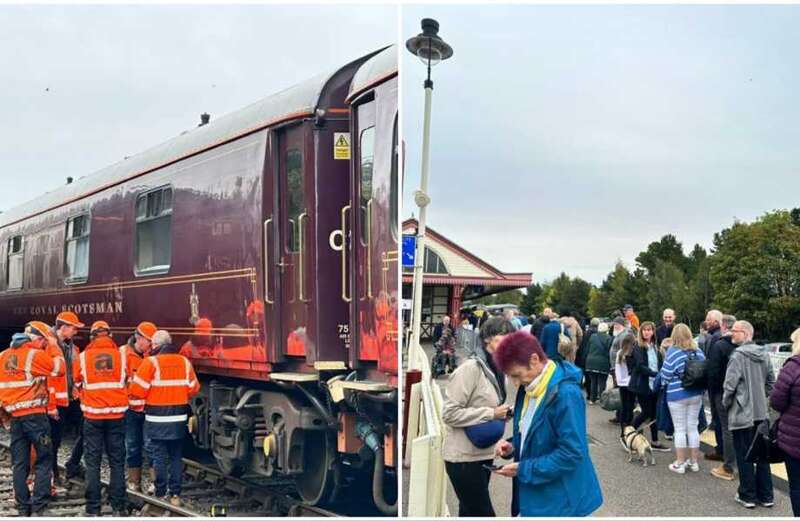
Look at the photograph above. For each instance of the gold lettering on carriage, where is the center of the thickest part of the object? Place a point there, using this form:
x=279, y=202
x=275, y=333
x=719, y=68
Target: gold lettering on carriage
x=85, y=308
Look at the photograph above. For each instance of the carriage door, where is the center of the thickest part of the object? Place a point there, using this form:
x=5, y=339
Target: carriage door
x=364, y=241
x=291, y=268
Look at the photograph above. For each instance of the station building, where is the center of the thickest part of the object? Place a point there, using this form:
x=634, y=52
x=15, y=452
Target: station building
x=451, y=276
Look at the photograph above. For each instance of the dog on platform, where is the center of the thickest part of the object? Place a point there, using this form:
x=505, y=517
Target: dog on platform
x=637, y=443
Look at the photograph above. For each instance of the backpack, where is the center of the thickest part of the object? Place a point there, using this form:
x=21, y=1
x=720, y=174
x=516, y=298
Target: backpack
x=564, y=345
x=695, y=373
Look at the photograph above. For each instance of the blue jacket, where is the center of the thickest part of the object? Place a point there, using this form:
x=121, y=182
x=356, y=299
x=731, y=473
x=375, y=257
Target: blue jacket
x=556, y=476
x=549, y=339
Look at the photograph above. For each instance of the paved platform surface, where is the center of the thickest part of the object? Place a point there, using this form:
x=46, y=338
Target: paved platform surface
x=632, y=490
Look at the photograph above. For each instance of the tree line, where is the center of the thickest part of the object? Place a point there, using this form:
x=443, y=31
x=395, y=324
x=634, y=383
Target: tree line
x=752, y=271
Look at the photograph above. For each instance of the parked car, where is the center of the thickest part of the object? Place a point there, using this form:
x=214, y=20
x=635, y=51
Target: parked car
x=779, y=352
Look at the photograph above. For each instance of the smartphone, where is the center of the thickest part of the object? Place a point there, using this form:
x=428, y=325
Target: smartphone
x=510, y=413
x=492, y=468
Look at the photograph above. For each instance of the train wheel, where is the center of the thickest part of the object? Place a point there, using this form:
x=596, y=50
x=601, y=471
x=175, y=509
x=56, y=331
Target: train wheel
x=316, y=484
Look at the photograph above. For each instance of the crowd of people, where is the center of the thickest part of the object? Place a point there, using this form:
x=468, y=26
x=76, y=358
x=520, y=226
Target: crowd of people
x=663, y=375
x=128, y=401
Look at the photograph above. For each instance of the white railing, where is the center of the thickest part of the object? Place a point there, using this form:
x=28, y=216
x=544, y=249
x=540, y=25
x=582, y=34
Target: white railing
x=427, y=483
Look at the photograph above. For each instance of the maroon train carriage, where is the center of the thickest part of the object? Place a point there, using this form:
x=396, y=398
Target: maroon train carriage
x=261, y=240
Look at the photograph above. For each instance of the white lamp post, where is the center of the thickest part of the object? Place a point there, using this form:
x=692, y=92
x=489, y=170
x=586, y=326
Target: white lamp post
x=431, y=49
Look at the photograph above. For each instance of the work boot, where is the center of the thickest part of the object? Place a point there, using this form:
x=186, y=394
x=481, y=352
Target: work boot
x=175, y=501
x=135, y=479
x=722, y=473
x=151, y=487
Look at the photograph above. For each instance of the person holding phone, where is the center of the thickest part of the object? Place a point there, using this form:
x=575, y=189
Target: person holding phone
x=552, y=469
x=475, y=414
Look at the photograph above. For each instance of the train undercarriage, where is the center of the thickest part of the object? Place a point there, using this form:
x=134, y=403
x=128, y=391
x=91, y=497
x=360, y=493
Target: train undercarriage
x=332, y=434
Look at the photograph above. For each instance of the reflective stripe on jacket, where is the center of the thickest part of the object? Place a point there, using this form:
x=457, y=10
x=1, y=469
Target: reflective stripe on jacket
x=23, y=374
x=165, y=382
x=103, y=374
x=60, y=393
x=134, y=361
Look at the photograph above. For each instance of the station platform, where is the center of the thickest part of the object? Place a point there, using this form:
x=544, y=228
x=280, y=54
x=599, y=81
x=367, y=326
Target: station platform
x=629, y=489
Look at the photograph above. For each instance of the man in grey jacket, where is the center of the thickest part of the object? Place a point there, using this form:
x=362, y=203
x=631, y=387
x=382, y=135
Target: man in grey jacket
x=748, y=382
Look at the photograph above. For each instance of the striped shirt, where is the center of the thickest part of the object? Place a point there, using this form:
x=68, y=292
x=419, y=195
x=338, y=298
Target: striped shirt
x=672, y=372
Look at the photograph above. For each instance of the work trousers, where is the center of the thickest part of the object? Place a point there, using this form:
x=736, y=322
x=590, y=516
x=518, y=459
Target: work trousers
x=68, y=417
x=647, y=403
x=167, y=456
x=793, y=470
x=755, y=479
x=108, y=436
x=29, y=431
x=471, y=483
x=136, y=441
x=719, y=415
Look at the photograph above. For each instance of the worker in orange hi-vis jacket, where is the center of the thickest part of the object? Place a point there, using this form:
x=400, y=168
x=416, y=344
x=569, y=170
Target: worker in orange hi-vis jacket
x=166, y=381
x=137, y=348
x=24, y=368
x=64, y=407
x=102, y=378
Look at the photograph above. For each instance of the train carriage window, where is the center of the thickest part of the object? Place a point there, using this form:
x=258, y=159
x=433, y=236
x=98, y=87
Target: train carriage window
x=367, y=150
x=15, y=262
x=76, y=248
x=295, y=181
x=154, y=231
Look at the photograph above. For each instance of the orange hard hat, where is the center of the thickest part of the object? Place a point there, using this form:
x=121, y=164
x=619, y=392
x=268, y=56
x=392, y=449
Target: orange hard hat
x=203, y=327
x=146, y=330
x=38, y=328
x=100, y=326
x=69, y=318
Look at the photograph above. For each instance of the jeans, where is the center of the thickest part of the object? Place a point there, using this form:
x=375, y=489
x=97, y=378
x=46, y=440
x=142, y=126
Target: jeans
x=32, y=430
x=755, y=479
x=686, y=417
x=135, y=440
x=68, y=417
x=597, y=384
x=167, y=456
x=648, y=404
x=108, y=436
x=721, y=431
x=471, y=484
x=793, y=470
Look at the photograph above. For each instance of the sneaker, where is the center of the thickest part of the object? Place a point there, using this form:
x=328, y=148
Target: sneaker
x=659, y=447
x=745, y=504
x=693, y=466
x=713, y=456
x=678, y=467
x=668, y=437
x=766, y=504
x=722, y=473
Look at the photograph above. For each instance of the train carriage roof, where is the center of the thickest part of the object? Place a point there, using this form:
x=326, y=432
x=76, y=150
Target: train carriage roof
x=297, y=101
x=378, y=68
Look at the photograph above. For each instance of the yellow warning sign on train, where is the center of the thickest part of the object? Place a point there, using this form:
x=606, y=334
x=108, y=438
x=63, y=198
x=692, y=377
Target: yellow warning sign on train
x=341, y=145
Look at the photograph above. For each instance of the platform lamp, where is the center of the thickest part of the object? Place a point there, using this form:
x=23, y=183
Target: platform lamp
x=429, y=47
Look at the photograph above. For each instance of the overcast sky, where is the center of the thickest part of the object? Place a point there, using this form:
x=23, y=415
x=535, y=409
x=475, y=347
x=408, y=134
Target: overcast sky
x=566, y=137
x=84, y=86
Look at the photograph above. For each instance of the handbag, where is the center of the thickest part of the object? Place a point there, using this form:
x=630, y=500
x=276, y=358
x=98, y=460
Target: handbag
x=764, y=448
x=486, y=434
x=695, y=372
x=611, y=400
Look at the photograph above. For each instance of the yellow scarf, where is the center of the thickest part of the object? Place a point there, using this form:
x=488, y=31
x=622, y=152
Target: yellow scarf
x=537, y=392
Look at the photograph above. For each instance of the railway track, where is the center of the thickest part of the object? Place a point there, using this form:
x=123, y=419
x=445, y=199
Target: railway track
x=206, y=491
